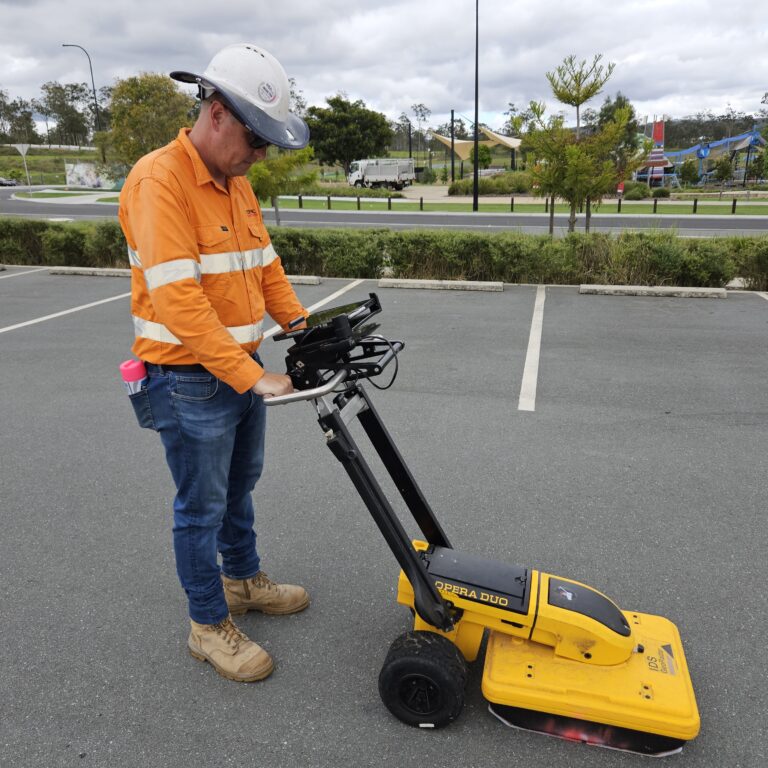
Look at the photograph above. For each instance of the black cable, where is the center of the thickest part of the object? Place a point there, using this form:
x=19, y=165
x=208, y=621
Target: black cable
x=397, y=365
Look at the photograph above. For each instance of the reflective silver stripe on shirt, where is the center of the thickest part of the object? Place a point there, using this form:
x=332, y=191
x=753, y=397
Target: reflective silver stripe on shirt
x=171, y=272
x=253, y=258
x=231, y=261
x=146, y=329
x=210, y=264
x=245, y=334
x=270, y=254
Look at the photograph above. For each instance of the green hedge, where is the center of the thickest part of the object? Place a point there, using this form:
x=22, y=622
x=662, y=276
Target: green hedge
x=656, y=258
x=511, y=183
x=76, y=244
x=340, y=190
x=632, y=258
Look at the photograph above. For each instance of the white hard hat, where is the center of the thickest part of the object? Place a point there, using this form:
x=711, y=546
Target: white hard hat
x=256, y=89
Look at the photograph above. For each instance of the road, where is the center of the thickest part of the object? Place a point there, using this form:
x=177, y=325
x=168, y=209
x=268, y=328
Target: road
x=699, y=225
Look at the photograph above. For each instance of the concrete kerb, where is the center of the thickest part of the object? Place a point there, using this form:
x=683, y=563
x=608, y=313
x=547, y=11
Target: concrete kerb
x=654, y=290
x=450, y=285
x=455, y=285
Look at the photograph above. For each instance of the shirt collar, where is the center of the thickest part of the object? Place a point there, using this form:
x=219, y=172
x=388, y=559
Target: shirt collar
x=202, y=174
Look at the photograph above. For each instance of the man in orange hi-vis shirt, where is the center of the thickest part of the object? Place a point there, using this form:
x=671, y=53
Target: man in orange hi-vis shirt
x=203, y=274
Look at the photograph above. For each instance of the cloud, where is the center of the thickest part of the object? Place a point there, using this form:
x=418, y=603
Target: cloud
x=672, y=57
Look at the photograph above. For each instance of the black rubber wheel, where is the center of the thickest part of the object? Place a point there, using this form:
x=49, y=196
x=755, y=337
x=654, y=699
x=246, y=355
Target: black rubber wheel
x=422, y=680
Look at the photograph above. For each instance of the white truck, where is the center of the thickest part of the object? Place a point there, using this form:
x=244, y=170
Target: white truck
x=382, y=172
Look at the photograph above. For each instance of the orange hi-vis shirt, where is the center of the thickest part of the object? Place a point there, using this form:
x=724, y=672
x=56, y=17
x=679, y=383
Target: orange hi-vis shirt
x=203, y=269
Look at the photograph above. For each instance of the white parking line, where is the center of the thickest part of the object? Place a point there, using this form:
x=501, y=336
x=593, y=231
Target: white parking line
x=763, y=294
x=270, y=332
x=25, y=272
x=61, y=314
x=276, y=329
x=527, y=400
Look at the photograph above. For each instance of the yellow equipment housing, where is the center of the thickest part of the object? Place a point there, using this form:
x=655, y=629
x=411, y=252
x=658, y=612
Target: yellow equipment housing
x=556, y=659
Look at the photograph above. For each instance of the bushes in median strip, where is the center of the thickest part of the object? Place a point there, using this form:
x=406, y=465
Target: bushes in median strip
x=631, y=258
x=510, y=183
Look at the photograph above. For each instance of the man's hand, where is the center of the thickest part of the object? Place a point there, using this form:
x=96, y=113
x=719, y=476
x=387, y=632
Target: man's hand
x=273, y=384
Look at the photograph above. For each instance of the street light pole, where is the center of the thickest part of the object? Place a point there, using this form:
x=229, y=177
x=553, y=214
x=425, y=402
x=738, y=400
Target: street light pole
x=93, y=84
x=475, y=184
x=453, y=155
x=410, y=142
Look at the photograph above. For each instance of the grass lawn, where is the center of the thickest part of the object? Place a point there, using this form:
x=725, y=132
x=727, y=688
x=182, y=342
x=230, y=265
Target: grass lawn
x=664, y=207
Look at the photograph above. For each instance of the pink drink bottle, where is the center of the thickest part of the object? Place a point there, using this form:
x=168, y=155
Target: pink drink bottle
x=133, y=373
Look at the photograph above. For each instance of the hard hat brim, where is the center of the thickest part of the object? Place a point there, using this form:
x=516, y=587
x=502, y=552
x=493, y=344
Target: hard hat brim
x=293, y=133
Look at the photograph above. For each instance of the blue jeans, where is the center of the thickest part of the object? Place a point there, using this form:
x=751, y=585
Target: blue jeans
x=214, y=445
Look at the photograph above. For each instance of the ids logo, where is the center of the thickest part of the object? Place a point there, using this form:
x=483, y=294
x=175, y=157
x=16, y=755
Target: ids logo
x=663, y=662
x=251, y=212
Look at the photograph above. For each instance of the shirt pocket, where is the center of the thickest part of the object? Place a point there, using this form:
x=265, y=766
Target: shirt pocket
x=262, y=243
x=218, y=260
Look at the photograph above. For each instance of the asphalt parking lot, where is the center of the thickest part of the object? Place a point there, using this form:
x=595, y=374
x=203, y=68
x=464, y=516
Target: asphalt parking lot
x=640, y=469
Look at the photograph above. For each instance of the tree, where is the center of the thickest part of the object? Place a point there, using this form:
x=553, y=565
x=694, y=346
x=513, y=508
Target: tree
x=689, y=172
x=723, y=169
x=607, y=164
x=576, y=83
x=346, y=131
x=147, y=112
x=460, y=130
x=277, y=174
x=5, y=115
x=483, y=156
x=40, y=107
x=580, y=172
x=423, y=113
x=70, y=106
x=16, y=123
x=757, y=169
x=298, y=102
x=628, y=143
x=517, y=121
x=548, y=142
x=400, y=129
x=21, y=126
x=104, y=99
x=590, y=117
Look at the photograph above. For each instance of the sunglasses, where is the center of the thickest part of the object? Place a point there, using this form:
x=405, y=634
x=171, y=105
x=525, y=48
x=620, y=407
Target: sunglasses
x=254, y=140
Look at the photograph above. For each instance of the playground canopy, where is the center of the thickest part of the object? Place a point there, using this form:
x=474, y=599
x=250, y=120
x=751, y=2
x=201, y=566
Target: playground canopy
x=463, y=147
x=715, y=149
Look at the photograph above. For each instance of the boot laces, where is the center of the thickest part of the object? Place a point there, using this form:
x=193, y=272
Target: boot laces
x=262, y=581
x=230, y=633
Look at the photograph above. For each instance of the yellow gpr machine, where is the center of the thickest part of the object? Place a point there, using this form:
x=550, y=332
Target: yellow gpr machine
x=561, y=658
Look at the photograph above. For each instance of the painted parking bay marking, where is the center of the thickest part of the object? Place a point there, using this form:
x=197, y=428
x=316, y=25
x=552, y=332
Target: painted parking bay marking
x=25, y=272
x=527, y=401
x=64, y=312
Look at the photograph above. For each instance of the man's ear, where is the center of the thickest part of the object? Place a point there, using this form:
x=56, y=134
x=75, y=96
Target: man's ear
x=217, y=115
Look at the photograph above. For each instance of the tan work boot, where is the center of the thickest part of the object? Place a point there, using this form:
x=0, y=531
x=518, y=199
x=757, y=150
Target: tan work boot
x=229, y=651
x=259, y=593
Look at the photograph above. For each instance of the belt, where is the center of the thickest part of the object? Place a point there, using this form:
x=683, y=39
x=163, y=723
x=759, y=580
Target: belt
x=189, y=368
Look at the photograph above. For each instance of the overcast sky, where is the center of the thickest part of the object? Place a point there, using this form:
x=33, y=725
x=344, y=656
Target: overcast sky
x=673, y=57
